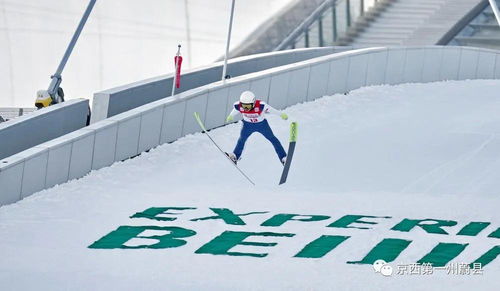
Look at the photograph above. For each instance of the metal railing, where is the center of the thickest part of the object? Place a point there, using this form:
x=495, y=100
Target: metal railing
x=11, y=113
x=327, y=23
x=463, y=27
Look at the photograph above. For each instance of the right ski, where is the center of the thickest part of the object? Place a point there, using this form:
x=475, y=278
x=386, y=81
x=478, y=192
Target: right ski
x=291, y=149
x=198, y=119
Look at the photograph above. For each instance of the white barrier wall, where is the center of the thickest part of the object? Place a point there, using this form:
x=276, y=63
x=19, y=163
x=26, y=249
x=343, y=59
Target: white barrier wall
x=114, y=101
x=128, y=134
x=42, y=125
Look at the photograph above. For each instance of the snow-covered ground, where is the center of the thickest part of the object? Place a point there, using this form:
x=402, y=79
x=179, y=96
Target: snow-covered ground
x=396, y=154
x=124, y=41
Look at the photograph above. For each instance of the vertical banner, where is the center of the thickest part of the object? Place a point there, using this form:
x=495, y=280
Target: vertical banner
x=177, y=75
x=178, y=64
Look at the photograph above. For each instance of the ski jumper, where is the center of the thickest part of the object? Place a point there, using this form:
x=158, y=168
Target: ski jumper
x=255, y=121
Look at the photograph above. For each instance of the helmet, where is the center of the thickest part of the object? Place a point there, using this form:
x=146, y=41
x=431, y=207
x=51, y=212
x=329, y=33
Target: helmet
x=247, y=97
x=247, y=100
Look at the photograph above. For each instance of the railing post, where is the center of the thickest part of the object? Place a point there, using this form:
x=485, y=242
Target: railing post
x=334, y=19
x=306, y=37
x=362, y=7
x=348, y=12
x=320, y=32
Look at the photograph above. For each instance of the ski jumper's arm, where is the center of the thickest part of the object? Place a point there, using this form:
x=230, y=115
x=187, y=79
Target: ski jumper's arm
x=269, y=109
x=233, y=112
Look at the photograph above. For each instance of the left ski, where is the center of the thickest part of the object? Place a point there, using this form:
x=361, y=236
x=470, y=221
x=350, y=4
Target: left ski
x=198, y=119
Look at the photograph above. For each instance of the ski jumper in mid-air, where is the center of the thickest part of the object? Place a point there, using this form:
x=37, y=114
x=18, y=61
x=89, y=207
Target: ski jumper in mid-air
x=253, y=111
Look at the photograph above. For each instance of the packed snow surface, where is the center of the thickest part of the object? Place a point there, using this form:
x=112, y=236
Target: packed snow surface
x=413, y=151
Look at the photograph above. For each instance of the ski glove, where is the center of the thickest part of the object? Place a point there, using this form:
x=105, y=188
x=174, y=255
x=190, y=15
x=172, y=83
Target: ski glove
x=284, y=116
x=229, y=119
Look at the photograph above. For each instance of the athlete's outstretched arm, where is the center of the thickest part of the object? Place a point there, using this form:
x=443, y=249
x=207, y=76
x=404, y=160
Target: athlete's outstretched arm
x=232, y=114
x=269, y=109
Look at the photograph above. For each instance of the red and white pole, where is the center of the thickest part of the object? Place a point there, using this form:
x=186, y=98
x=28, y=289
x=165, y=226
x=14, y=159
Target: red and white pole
x=177, y=75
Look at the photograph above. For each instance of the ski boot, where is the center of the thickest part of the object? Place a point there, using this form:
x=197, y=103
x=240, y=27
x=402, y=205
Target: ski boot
x=232, y=157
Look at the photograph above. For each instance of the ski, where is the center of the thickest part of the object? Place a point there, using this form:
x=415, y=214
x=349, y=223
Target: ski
x=291, y=149
x=198, y=119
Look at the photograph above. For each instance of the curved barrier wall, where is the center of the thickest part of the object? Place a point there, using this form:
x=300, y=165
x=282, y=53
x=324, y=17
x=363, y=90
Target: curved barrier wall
x=128, y=134
x=118, y=100
x=42, y=125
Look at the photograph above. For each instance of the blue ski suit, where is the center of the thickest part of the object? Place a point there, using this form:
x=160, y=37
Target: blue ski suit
x=255, y=121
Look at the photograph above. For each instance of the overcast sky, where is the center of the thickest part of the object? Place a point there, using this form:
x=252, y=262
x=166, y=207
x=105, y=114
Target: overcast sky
x=124, y=41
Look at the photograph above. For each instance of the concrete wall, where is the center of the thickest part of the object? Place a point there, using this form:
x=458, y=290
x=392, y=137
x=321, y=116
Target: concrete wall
x=117, y=100
x=128, y=134
x=42, y=125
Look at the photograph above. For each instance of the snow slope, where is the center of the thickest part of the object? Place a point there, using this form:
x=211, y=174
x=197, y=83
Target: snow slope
x=414, y=151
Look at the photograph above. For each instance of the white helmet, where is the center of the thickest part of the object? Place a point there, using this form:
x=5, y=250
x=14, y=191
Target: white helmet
x=247, y=97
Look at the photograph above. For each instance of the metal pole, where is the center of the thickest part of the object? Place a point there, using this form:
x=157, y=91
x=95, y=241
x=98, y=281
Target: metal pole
x=188, y=34
x=320, y=31
x=334, y=18
x=224, y=70
x=176, y=66
x=56, y=78
x=348, y=12
x=494, y=7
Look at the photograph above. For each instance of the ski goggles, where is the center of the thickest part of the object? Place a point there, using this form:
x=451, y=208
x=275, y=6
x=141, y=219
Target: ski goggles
x=247, y=106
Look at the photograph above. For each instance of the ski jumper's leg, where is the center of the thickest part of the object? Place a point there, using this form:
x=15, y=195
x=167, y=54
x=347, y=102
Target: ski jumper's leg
x=246, y=130
x=267, y=132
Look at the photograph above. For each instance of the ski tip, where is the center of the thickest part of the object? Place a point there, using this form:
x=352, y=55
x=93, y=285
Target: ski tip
x=293, y=131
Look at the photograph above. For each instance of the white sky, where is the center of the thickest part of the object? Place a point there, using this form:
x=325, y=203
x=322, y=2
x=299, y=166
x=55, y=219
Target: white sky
x=124, y=41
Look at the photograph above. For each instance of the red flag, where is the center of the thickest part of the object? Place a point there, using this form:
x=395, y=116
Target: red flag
x=178, y=63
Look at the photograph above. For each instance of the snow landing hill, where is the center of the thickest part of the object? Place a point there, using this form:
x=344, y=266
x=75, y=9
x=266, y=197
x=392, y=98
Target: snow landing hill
x=408, y=174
